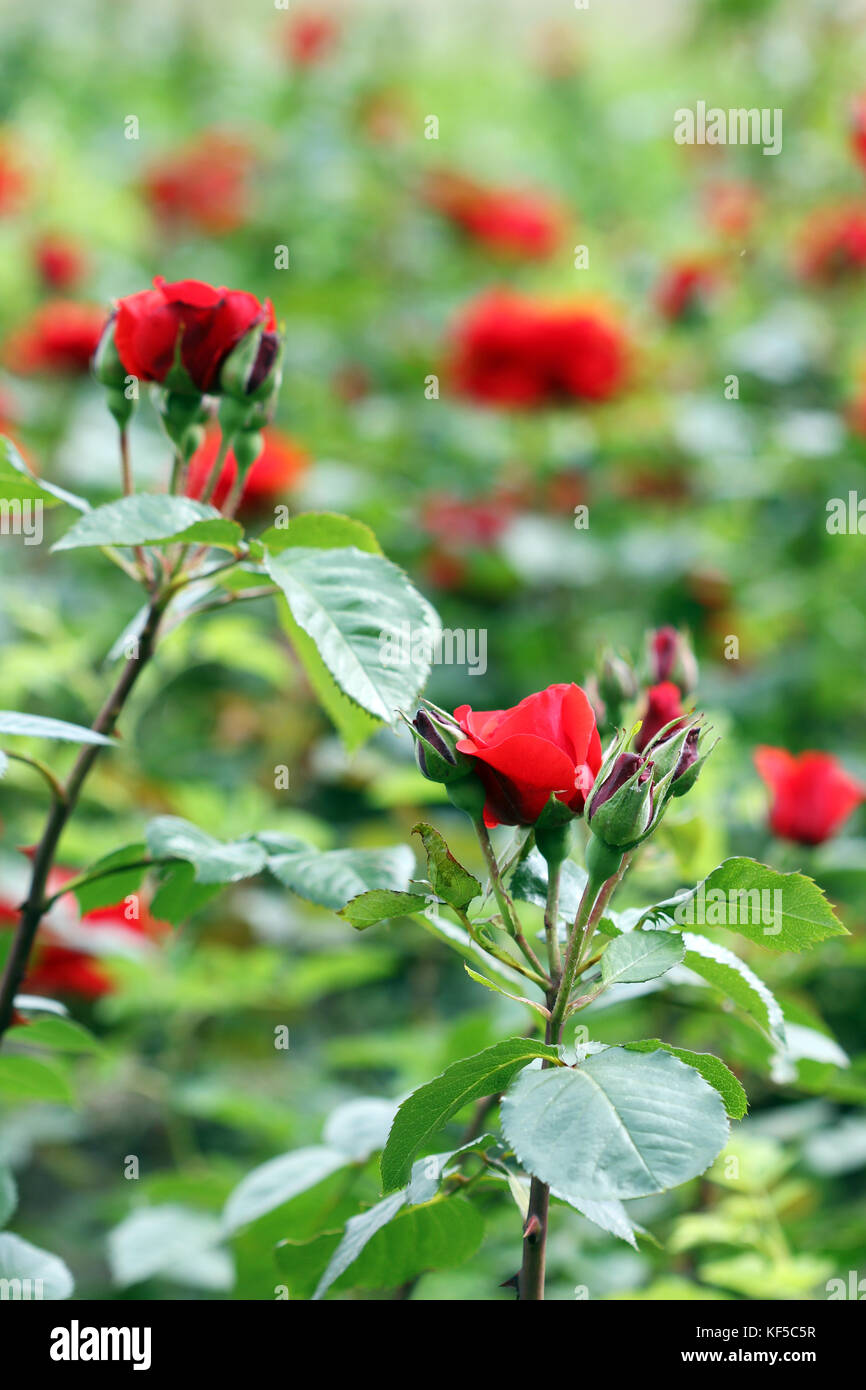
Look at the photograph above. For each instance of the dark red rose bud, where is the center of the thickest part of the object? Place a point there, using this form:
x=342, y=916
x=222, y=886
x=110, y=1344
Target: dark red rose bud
x=436, y=737
x=672, y=659
x=689, y=754
x=663, y=705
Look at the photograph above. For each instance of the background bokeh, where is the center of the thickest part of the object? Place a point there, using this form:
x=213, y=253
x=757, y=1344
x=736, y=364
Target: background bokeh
x=258, y=129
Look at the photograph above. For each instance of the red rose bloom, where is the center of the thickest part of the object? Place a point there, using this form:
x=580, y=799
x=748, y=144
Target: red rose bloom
x=505, y=220
x=211, y=321
x=731, y=207
x=683, y=289
x=663, y=705
x=59, y=263
x=812, y=793
x=514, y=351
x=274, y=472
x=833, y=244
x=61, y=963
x=204, y=186
x=310, y=38
x=62, y=336
x=548, y=745
x=858, y=129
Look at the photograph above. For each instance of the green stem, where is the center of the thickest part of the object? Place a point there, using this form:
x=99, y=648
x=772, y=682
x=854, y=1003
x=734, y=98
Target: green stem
x=512, y=925
x=61, y=810
x=551, y=920
x=56, y=789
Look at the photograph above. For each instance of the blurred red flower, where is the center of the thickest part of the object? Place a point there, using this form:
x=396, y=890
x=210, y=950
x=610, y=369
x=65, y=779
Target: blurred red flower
x=731, y=206
x=811, y=794
x=514, y=351
x=59, y=263
x=61, y=336
x=13, y=181
x=61, y=964
x=547, y=745
x=684, y=289
x=456, y=520
x=211, y=321
x=663, y=703
x=504, y=220
x=858, y=128
x=278, y=467
x=833, y=243
x=310, y=38
x=204, y=186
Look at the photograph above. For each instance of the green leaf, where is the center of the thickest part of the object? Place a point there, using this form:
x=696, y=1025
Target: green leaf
x=732, y=977
x=56, y=1034
x=425, y=1112
x=173, y=1241
x=214, y=861
x=332, y=877
x=354, y=605
x=142, y=519
x=529, y=884
x=711, y=1068
x=26, y=1078
x=611, y=1216
x=320, y=531
x=18, y=483
x=450, y=881
x=37, y=726
x=179, y=896
x=620, y=1125
x=359, y=1230
x=638, y=956
x=784, y=912
x=111, y=888
x=441, y=1234
x=278, y=1181
x=379, y=905
x=46, y=1275
x=498, y=989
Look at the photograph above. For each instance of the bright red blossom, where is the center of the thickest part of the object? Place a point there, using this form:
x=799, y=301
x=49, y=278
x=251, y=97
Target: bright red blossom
x=812, y=794
x=203, y=186
x=60, y=264
x=683, y=289
x=274, y=472
x=61, y=336
x=547, y=745
x=833, y=243
x=515, y=351
x=209, y=322
x=310, y=38
x=858, y=129
x=505, y=220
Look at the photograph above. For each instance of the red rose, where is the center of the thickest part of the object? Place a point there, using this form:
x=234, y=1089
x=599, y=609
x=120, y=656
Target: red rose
x=663, y=705
x=203, y=186
x=62, y=964
x=62, y=336
x=683, y=290
x=59, y=263
x=310, y=38
x=211, y=321
x=812, y=793
x=274, y=472
x=833, y=243
x=505, y=220
x=545, y=746
x=858, y=129
x=514, y=351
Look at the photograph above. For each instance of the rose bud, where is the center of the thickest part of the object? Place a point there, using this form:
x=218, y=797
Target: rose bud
x=672, y=659
x=678, y=757
x=436, y=737
x=110, y=372
x=620, y=808
x=812, y=793
x=663, y=706
x=616, y=683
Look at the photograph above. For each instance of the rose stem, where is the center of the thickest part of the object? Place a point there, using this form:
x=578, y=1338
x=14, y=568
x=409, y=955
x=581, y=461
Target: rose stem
x=61, y=810
x=512, y=926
